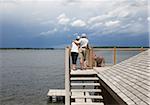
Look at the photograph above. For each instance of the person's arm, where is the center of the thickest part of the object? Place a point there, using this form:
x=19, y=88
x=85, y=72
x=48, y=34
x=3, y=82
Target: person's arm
x=88, y=46
x=77, y=43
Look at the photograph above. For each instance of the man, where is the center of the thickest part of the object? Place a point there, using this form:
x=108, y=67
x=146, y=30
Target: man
x=84, y=46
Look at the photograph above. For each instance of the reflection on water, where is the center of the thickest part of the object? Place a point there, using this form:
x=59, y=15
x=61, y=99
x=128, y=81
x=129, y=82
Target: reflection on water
x=26, y=75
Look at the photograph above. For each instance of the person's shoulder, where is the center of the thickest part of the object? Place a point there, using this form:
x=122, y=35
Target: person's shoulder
x=80, y=39
x=85, y=38
x=76, y=41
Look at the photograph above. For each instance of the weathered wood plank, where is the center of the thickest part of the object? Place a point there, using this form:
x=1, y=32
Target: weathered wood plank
x=84, y=78
x=83, y=72
x=67, y=76
x=86, y=90
x=87, y=97
x=78, y=100
x=56, y=92
x=85, y=84
x=87, y=103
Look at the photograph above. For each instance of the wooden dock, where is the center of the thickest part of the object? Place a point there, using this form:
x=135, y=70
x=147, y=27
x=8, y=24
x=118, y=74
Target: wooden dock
x=127, y=82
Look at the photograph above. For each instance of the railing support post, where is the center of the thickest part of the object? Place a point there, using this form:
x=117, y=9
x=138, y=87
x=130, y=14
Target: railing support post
x=115, y=55
x=90, y=58
x=67, y=76
x=142, y=49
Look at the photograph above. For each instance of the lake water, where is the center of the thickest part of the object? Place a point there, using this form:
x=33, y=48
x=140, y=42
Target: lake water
x=26, y=75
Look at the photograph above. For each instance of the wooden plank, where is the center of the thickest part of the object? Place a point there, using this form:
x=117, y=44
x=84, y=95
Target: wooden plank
x=94, y=103
x=80, y=94
x=56, y=92
x=85, y=84
x=67, y=76
x=87, y=97
x=83, y=72
x=86, y=90
x=100, y=69
x=88, y=100
x=84, y=78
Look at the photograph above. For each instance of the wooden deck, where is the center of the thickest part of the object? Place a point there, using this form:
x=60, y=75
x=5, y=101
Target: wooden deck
x=128, y=82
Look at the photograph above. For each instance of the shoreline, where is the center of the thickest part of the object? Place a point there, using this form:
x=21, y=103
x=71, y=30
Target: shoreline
x=64, y=48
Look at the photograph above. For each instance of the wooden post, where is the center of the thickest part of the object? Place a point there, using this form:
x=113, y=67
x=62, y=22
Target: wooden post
x=142, y=49
x=67, y=76
x=90, y=58
x=115, y=54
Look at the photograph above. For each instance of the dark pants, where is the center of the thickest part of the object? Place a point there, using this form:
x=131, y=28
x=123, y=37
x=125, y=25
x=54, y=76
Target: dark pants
x=74, y=56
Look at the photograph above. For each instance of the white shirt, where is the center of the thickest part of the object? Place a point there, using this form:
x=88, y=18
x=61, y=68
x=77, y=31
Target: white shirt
x=74, y=47
x=83, y=42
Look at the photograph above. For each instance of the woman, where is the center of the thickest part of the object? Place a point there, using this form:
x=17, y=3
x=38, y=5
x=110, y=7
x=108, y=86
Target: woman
x=75, y=52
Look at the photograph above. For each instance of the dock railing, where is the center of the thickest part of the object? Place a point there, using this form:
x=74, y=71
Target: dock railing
x=111, y=56
x=115, y=55
x=67, y=77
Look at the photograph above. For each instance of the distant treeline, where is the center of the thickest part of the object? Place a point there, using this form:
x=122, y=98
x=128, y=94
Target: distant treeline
x=31, y=48
x=64, y=48
x=119, y=47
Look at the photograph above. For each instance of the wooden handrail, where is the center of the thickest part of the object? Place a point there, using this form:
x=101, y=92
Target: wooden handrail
x=115, y=50
x=67, y=76
x=120, y=49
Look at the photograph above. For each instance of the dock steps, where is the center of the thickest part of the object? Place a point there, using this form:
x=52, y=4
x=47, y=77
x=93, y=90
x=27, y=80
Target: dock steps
x=93, y=103
x=88, y=84
x=86, y=90
x=87, y=97
x=85, y=84
x=84, y=78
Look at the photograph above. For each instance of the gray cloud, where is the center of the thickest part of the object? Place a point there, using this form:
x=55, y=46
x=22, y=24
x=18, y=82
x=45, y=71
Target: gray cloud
x=98, y=16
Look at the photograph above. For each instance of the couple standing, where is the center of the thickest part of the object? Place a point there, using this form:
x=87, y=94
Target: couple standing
x=80, y=47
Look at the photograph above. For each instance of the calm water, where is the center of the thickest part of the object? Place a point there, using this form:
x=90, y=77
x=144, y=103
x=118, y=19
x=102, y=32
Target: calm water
x=26, y=75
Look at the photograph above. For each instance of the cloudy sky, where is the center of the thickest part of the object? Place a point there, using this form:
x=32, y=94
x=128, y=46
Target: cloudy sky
x=55, y=23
